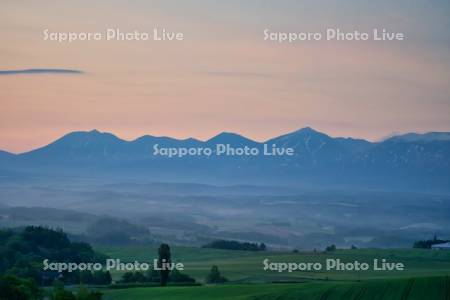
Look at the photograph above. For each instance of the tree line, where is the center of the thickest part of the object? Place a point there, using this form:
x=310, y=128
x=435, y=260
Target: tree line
x=235, y=245
x=426, y=244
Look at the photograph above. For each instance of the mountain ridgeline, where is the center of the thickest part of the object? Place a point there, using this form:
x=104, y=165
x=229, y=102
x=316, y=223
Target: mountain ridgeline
x=406, y=162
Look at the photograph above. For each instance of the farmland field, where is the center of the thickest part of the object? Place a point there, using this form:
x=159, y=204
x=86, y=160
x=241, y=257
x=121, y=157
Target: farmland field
x=247, y=266
x=426, y=275
x=433, y=288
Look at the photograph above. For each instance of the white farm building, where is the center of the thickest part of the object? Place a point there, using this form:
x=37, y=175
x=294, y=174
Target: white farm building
x=441, y=246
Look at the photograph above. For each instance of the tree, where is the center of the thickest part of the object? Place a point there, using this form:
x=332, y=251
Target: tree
x=15, y=288
x=107, y=279
x=153, y=276
x=134, y=277
x=86, y=277
x=23, y=251
x=128, y=277
x=235, y=245
x=428, y=243
x=163, y=262
x=214, y=276
x=177, y=276
x=330, y=248
x=101, y=277
x=139, y=277
x=59, y=293
x=262, y=247
x=84, y=294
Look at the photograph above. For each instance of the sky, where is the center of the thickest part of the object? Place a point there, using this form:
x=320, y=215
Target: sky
x=223, y=76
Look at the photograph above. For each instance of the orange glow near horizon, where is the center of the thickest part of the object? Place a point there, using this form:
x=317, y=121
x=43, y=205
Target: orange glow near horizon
x=222, y=77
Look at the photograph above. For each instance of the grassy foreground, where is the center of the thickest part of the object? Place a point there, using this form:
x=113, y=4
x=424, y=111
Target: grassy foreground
x=435, y=288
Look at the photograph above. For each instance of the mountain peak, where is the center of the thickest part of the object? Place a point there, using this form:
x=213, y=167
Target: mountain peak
x=76, y=140
x=92, y=134
x=226, y=134
x=306, y=129
x=229, y=138
x=304, y=137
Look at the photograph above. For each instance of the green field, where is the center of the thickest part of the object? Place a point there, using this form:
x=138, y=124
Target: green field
x=434, y=288
x=426, y=275
x=246, y=266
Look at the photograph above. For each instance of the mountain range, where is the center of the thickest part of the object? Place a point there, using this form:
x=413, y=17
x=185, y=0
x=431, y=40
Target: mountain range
x=408, y=162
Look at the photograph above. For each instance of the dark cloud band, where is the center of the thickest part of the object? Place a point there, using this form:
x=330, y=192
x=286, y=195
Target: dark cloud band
x=40, y=71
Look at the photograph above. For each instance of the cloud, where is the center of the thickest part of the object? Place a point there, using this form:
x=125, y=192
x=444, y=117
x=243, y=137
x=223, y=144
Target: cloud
x=40, y=71
x=237, y=74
